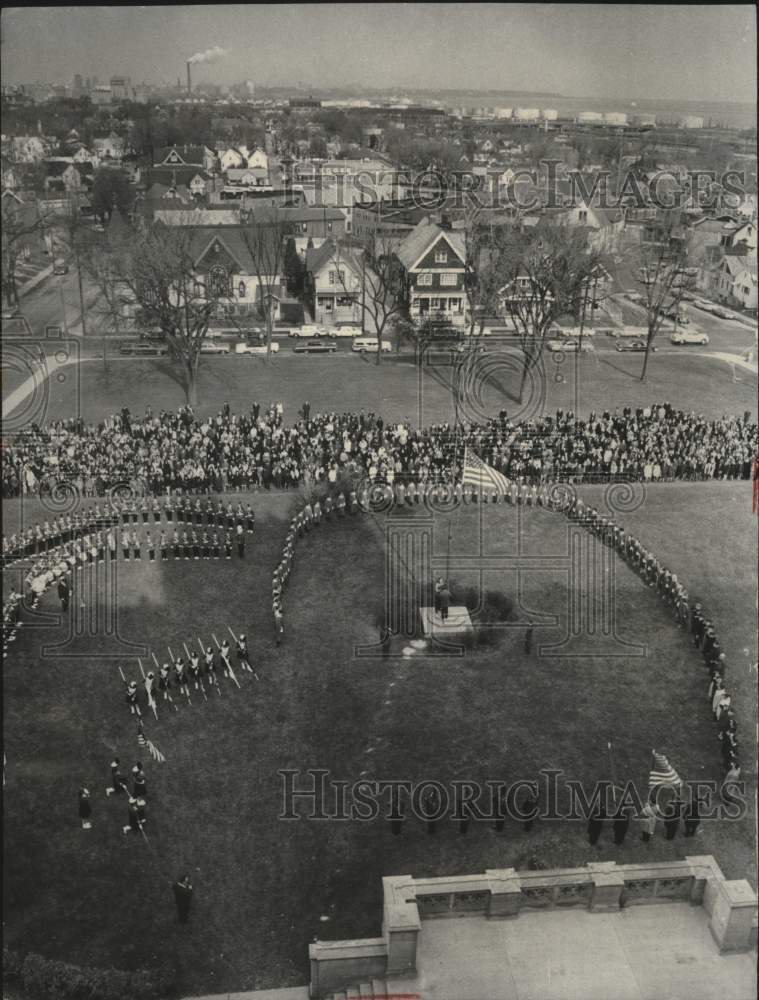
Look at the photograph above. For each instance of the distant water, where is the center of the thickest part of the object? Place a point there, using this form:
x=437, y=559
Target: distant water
x=732, y=114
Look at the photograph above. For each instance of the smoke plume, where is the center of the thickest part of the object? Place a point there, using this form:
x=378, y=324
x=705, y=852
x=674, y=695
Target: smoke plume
x=210, y=55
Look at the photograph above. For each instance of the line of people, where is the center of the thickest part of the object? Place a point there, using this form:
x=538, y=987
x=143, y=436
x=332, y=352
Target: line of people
x=673, y=593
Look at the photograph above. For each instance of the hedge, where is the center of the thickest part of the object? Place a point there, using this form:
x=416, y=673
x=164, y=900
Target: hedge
x=48, y=979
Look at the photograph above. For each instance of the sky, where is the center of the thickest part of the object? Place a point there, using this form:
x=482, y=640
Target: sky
x=705, y=52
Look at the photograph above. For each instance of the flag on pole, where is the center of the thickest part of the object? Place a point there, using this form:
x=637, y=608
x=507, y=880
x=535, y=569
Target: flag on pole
x=477, y=473
x=662, y=773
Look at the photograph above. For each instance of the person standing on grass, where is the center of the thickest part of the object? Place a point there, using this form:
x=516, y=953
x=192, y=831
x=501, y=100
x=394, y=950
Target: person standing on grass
x=596, y=824
x=528, y=638
x=242, y=653
x=140, y=789
x=691, y=816
x=183, y=898
x=445, y=602
x=118, y=784
x=133, y=817
x=85, y=808
x=240, y=541
x=64, y=593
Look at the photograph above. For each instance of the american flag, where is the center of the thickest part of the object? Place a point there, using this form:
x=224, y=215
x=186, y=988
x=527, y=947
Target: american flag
x=662, y=773
x=478, y=473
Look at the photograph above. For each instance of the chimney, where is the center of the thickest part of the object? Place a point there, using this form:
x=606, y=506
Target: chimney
x=189, y=80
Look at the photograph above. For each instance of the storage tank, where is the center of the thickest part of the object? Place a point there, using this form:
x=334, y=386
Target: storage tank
x=527, y=114
x=692, y=121
x=589, y=117
x=504, y=112
x=615, y=118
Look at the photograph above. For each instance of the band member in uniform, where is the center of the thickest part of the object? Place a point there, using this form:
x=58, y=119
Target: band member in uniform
x=195, y=546
x=279, y=628
x=210, y=662
x=195, y=669
x=133, y=819
x=139, y=782
x=145, y=511
x=176, y=548
x=224, y=653
x=131, y=697
x=136, y=547
x=169, y=508
x=242, y=653
x=150, y=547
x=206, y=549
x=240, y=541
x=118, y=784
x=164, y=682
x=85, y=808
x=183, y=898
x=156, y=511
x=215, y=545
x=185, y=545
x=164, y=547
x=125, y=544
x=179, y=669
x=64, y=593
x=250, y=519
x=150, y=685
x=227, y=546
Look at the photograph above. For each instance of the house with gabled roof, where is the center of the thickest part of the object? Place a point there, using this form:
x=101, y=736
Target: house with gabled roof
x=735, y=281
x=186, y=156
x=434, y=267
x=333, y=284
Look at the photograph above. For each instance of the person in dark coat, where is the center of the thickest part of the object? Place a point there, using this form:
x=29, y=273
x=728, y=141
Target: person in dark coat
x=64, y=593
x=85, y=809
x=596, y=824
x=691, y=817
x=621, y=824
x=140, y=781
x=672, y=818
x=118, y=784
x=430, y=808
x=529, y=809
x=445, y=602
x=183, y=898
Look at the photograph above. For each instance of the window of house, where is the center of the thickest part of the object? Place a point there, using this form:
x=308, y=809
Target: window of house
x=329, y=227
x=424, y=279
x=241, y=289
x=219, y=281
x=448, y=279
x=198, y=290
x=304, y=227
x=441, y=256
x=336, y=277
x=583, y=215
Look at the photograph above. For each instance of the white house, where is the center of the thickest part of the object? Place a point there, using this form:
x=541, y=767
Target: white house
x=109, y=147
x=231, y=158
x=333, y=281
x=28, y=149
x=735, y=281
x=258, y=158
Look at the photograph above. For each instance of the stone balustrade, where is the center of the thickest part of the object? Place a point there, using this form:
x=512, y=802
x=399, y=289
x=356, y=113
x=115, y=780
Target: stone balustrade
x=503, y=893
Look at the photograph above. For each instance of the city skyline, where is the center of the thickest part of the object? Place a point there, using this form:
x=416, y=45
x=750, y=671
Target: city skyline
x=670, y=53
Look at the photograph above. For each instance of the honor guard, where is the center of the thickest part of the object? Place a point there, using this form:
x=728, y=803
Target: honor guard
x=131, y=698
x=179, y=668
x=164, y=681
x=242, y=653
x=224, y=653
x=195, y=669
x=210, y=662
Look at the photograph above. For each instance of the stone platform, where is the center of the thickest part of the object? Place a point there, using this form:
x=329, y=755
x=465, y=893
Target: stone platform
x=457, y=623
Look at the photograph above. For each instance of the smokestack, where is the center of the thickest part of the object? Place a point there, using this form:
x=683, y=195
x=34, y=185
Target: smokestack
x=189, y=78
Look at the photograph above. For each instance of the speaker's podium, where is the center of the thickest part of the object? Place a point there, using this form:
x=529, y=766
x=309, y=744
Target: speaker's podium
x=458, y=622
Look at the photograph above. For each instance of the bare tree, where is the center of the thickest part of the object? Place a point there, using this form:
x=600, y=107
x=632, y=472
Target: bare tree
x=381, y=284
x=20, y=220
x=543, y=277
x=662, y=267
x=265, y=242
x=153, y=272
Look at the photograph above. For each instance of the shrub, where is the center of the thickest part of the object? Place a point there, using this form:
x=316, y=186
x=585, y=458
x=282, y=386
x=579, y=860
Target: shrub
x=48, y=979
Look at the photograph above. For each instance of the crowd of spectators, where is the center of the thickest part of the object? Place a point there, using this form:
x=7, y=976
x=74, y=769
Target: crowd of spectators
x=180, y=451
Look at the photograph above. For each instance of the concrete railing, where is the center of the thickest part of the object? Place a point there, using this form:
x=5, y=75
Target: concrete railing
x=503, y=893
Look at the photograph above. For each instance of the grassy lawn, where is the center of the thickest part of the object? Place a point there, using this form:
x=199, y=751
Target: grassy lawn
x=262, y=885
x=400, y=391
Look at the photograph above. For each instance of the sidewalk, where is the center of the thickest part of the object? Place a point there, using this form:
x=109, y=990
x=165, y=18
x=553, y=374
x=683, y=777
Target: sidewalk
x=36, y=280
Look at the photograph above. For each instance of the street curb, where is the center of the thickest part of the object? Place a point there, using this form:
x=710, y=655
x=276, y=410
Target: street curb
x=33, y=282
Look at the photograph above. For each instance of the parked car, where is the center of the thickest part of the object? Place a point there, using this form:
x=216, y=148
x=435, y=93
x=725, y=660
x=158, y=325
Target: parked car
x=633, y=296
x=346, y=331
x=704, y=304
x=689, y=337
x=309, y=331
x=721, y=313
x=256, y=348
x=675, y=316
x=316, y=347
x=60, y=266
x=213, y=347
x=143, y=348
x=634, y=345
x=362, y=345
x=569, y=346
x=629, y=331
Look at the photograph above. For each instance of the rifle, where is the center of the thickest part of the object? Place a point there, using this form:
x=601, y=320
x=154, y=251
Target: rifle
x=202, y=687
x=235, y=639
x=231, y=671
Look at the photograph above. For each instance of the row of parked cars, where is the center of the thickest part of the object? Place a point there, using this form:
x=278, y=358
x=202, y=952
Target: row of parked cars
x=323, y=342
